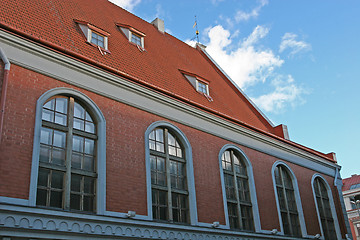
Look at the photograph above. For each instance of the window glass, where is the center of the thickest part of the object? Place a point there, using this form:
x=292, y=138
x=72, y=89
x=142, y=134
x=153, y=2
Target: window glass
x=97, y=39
x=323, y=204
x=136, y=39
x=237, y=191
x=202, y=87
x=168, y=176
x=287, y=202
x=57, y=128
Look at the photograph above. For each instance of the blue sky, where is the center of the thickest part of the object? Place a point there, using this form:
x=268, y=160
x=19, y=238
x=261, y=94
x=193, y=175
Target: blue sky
x=299, y=61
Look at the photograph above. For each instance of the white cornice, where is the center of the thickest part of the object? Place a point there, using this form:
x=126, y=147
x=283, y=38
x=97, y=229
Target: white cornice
x=45, y=61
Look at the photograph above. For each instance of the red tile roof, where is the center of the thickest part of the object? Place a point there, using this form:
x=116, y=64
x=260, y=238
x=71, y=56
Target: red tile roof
x=348, y=182
x=53, y=24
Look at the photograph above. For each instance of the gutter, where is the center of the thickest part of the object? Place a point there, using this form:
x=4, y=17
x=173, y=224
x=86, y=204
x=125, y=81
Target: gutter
x=3, y=89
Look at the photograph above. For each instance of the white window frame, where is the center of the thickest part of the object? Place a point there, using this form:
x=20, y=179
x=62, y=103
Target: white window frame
x=297, y=198
x=251, y=182
x=89, y=38
x=189, y=169
x=332, y=206
x=100, y=144
x=198, y=82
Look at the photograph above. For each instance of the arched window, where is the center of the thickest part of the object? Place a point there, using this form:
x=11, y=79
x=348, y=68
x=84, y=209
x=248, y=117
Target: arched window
x=67, y=171
x=168, y=177
x=69, y=159
x=324, y=209
x=287, y=202
x=237, y=189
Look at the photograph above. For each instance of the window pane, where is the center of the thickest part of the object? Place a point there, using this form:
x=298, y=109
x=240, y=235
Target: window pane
x=88, y=117
x=78, y=144
x=41, y=197
x=75, y=201
x=46, y=136
x=88, y=163
x=58, y=157
x=89, y=127
x=89, y=146
x=76, y=160
x=50, y=104
x=57, y=180
x=79, y=111
x=43, y=177
x=60, y=119
x=61, y=105
x=59, y=139
x=56, y=199
x=75, y=183
x=159, y=135
x=79, y=124
x=45, y=153
x=88, y=203
x=88, y=185
x=47, y=115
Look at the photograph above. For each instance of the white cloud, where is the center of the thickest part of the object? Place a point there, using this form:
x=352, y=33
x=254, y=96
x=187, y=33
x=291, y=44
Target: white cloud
x=245, y=65
x=244, y=16
x=126, y=4
x=289, y=41
x=286, y=93
x=251, y=66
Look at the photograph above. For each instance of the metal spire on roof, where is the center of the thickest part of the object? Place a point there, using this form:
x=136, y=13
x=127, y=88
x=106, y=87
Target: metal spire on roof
x=197, y=31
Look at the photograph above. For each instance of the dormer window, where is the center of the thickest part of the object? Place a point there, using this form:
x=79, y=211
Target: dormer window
x=200, y=84
x=94, y=35
x=133, y=35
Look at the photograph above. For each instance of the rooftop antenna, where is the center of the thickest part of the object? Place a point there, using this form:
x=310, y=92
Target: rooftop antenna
x=197, y=31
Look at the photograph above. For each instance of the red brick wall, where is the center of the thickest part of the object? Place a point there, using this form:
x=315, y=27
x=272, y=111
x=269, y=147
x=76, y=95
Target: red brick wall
x=125, y=180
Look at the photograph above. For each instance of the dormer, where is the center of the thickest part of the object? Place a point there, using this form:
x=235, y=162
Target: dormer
x=133, y=35
x=94, y=35
x=200, y=84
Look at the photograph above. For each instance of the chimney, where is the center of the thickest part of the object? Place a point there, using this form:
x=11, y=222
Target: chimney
x=159, y=24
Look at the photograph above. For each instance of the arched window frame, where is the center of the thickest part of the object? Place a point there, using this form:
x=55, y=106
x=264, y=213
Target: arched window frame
x=189, y=168
x=297, y=198
x=251, y=181
x=332, y=205
x=100, y=144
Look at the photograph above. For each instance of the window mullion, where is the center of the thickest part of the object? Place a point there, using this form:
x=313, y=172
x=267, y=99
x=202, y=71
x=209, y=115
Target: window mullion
x=168, y=177
x=69, y=140
x=236, y=190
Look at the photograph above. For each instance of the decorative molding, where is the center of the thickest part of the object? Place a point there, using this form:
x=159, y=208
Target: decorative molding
x=27, y=222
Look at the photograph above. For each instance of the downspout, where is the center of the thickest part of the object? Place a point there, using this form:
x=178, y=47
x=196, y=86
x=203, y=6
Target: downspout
x=338, y=184
x=3, y=89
